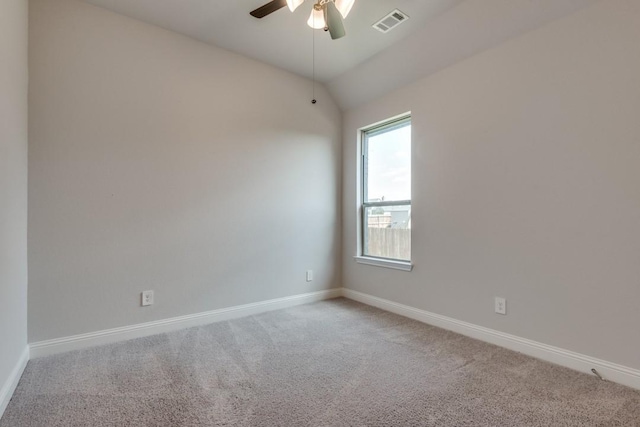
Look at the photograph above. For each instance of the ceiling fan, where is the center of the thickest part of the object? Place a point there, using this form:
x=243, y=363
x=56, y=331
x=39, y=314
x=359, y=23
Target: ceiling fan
x=326, y=14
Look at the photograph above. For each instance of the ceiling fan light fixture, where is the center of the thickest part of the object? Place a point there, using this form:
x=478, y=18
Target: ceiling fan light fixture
x=293, y=4
x=344, y=6
x=316, y=20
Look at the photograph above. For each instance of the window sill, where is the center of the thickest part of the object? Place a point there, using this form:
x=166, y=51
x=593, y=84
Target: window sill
x=386, y=263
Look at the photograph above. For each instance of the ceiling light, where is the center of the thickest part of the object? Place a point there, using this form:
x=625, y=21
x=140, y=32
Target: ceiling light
x=316, y=20
x=326, y=15
x=344, y=6
x=293, y=4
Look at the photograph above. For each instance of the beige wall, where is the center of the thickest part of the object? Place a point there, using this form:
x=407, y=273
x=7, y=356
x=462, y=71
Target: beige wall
x=13, y=185
x=526, y=185
x=158, y=162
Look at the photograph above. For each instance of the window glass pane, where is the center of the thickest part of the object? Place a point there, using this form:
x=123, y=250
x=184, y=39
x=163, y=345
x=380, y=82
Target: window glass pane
x=388, y=165
x=388, y=232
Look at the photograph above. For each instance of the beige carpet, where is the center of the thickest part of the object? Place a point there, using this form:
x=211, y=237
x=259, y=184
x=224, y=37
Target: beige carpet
x=334, y=363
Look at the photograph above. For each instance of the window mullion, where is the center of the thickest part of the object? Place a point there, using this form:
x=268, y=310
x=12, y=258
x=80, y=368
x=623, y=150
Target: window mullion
x=383, y=204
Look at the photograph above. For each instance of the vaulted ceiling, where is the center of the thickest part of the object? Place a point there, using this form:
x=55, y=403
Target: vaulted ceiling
x=366, y=63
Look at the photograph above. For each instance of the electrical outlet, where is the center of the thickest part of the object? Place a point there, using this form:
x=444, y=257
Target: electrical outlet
x=147, y=298
x=309, y=275
x=500, y=305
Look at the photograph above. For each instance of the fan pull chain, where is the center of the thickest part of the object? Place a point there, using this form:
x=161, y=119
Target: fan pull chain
x=313, y=63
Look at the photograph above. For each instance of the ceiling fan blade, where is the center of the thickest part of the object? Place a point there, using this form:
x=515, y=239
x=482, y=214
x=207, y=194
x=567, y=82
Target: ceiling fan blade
x=334, y=21
x=268, y=8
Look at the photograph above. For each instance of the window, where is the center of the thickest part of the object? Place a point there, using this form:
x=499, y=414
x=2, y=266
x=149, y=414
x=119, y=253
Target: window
x=386, y=194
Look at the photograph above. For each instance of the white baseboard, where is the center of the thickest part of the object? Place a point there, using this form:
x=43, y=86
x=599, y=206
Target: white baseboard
x=580, y=362
x=11, y=383
x=76, y=342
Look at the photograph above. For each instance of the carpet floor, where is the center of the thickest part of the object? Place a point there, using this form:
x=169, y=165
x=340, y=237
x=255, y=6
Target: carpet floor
x=332, y=363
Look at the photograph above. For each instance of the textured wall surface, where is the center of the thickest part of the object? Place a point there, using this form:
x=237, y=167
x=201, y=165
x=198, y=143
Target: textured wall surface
x=158, y=162
x=526, y=172
x=13, y=184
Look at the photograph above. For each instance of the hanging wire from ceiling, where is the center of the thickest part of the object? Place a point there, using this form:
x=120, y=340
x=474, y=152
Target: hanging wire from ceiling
x=313, y=63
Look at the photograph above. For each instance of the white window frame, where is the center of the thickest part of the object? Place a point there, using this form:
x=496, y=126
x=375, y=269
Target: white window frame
x=364, y=133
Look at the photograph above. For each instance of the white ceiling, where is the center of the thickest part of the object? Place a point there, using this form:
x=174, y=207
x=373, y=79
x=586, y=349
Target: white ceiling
x=283, y=38
x=366, y=63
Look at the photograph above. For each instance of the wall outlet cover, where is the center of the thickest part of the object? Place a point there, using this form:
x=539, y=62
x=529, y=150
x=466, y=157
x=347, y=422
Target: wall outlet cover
x=147, y=298
x=500, y=305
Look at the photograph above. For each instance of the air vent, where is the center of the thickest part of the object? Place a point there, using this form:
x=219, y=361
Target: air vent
x=390, y=21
